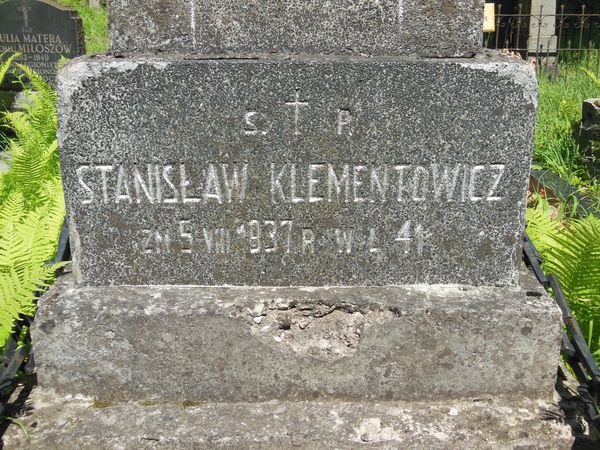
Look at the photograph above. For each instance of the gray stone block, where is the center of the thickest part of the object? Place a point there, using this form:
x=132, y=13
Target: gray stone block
x=475, y=424
x=301, y=172
x=176, y=344
x=440, y=28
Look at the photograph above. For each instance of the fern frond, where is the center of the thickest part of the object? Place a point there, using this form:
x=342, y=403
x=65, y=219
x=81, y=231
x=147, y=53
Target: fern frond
x=5, y=65
x=575, y=260
x=12, y=209
x=17, y=122
x=24, y=249
x=572, y=254
x=9, y=310
x=32, y=206
x=541, y=228
x=29, y=164
x=35, y=79
x=568, y=111
x=13, y=247
x=592, y=76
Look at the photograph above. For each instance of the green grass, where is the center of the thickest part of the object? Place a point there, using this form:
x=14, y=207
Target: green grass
x=95, y=24
x=559, y=114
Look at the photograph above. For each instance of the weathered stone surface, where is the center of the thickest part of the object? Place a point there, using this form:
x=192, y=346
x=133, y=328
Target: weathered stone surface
x=482, y=423
x=43, y=32
x=441, y=28
x=175, y=344
x=302, y=171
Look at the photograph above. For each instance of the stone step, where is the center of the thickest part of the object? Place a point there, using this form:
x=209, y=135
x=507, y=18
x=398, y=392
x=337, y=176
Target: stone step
x=169, y=343
x=480, y=423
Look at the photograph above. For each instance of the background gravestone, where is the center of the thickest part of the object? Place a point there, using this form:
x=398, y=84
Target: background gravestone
x=43, y=32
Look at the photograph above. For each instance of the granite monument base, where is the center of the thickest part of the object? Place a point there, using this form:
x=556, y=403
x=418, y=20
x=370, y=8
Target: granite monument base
x=199, y=344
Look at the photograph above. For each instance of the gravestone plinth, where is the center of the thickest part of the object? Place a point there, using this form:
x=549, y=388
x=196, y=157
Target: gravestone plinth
x=282, y=212
x=43, y=32
x=198, y=344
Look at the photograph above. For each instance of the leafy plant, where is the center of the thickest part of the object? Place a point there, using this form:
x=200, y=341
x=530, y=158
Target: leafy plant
x=592, y=76
x=28, y=240
x=575, y=260
x=31, y=201
x=593, y=340
x=20, y=424
x=571, y=252
x=31, y=196
x=541, y=227
x=33, y=152
x=5, y=64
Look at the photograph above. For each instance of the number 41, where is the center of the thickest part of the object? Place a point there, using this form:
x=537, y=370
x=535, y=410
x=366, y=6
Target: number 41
x=411, y=238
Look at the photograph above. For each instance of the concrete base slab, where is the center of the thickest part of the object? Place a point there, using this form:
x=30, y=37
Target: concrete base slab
x=197, y=344
x=474, y=424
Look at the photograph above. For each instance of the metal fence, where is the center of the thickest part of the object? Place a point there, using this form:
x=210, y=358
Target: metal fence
x=567, y=38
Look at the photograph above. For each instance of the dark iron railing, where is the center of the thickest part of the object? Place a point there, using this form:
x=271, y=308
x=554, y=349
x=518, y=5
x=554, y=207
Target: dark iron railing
x=574, y=346
x=547, y=37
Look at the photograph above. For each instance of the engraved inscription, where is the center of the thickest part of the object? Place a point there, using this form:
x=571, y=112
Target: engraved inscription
x=346, y=183
x=226, y=183
x=41, y=50
x=25, y=10
x=220, y=183
x=273, y=237
x=250, y=129
x=344, y=119
x=156, y=242
x=307, y=185
x=411, y=237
